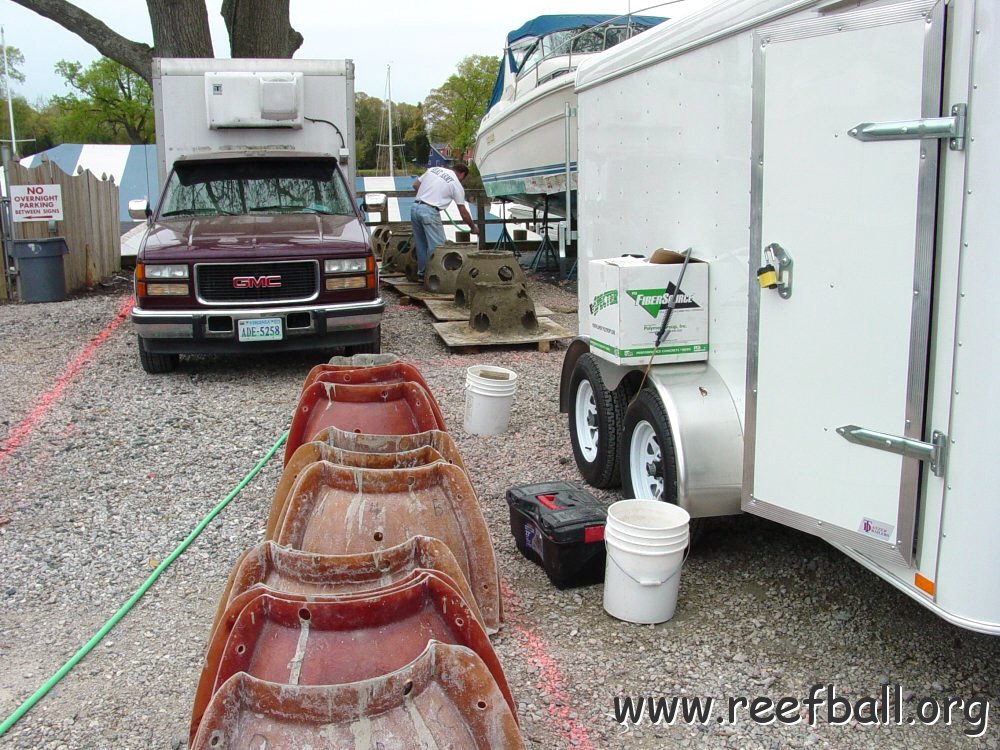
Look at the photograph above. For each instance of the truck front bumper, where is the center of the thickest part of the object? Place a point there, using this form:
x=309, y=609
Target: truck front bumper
x=194, y=331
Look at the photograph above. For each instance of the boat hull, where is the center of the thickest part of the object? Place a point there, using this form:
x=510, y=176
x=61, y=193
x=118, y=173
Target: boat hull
x=521, y=147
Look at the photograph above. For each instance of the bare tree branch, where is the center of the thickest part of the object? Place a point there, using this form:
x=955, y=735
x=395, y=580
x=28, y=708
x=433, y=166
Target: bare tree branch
x=134, y=55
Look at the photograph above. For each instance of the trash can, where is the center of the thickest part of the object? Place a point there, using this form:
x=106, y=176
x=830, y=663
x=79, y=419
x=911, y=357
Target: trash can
x=40, y=269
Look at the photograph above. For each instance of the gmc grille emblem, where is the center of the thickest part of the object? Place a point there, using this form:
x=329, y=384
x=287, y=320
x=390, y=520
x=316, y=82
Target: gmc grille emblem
x=256, y=282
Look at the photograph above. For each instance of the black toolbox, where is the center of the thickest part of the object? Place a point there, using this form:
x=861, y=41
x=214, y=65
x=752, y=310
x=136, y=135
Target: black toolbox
x=561, y=527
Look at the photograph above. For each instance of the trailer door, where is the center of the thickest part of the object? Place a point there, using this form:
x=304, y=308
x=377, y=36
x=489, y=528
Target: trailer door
x=844, y=199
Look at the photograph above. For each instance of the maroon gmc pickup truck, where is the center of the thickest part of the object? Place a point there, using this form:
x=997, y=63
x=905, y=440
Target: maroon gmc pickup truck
x=254, y=251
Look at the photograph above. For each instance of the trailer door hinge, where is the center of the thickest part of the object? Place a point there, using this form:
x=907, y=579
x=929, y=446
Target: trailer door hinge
x=952, y=128
x=932, y=452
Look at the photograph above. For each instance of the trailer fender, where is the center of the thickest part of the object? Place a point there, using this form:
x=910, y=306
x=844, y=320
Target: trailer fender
x=577, y=348
x=707, y=434
x=611, y=373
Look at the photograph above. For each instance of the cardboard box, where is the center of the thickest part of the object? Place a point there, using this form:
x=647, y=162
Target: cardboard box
x=629, y=299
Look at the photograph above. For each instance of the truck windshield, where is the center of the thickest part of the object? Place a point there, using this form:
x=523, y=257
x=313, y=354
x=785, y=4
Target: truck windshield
x=261, y=186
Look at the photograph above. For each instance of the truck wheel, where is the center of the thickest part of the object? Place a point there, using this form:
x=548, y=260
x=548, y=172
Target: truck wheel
x=595, y=420
x=154, y=363
x=371, y=347
x=649, y=465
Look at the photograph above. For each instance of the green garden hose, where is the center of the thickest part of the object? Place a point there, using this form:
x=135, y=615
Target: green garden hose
x=99, y=636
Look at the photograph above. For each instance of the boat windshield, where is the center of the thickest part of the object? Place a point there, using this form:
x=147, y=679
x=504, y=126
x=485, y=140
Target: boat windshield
x=260, y=186
x=572, y=41
x=544, y=46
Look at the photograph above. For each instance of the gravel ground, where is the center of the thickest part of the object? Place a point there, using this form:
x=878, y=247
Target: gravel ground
x=103, y=477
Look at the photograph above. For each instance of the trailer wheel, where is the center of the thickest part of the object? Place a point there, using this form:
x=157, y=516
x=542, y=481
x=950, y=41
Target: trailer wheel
x=595, y=419
x=649, y=464
x=154, y=363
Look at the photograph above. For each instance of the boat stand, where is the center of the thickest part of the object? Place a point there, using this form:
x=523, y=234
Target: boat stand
x=546, y=252
x=506, y=242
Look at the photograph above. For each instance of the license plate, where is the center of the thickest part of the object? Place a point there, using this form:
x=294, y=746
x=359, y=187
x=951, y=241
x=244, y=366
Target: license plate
x=260, y=329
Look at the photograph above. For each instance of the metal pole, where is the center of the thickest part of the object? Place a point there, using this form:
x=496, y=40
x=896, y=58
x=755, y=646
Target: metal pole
x=568, y=228
x=388, y=88
x=10, y=105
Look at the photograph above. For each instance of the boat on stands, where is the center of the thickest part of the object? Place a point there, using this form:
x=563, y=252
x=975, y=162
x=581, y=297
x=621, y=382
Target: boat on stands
x=525, y=150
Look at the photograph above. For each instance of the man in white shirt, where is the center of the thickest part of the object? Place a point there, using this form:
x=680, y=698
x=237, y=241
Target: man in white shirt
x=436, y=189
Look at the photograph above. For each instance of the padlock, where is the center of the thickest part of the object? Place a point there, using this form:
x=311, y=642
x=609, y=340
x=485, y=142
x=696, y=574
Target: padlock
x=767, y=277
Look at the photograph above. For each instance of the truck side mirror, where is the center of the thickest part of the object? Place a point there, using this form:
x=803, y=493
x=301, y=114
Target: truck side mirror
x=138, y=209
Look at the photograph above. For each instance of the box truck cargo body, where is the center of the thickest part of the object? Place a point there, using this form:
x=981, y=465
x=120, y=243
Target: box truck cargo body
x=835, y=165
x=257, y=244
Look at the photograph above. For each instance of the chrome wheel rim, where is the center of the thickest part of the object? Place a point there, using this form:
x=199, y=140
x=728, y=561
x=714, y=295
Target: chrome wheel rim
x=646, y=463
x=587, y=431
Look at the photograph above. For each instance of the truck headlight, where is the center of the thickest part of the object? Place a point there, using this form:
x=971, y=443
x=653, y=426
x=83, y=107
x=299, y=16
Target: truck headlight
x=345, y=265
x=165, y=272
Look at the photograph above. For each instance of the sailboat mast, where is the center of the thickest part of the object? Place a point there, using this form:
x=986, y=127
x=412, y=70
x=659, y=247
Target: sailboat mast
x=388, y=88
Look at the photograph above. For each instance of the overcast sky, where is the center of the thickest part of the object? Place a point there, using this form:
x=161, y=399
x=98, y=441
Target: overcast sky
x=423, y=40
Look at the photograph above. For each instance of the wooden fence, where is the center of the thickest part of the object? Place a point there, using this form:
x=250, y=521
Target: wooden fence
x=90, y=222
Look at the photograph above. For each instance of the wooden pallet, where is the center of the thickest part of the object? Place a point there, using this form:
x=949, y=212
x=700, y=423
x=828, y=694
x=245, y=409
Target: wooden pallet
x=458, y=335
x=447, y=310
x=410, y=290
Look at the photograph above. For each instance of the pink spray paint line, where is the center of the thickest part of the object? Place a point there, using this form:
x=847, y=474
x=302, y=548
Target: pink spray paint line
x=27, y=425
x=552, y=682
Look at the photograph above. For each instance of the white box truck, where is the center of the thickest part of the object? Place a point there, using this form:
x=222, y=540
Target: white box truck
x=836, y=164
x=257, y=243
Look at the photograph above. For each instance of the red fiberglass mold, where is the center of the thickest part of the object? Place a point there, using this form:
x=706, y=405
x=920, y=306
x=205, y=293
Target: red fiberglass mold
x=314, y=451
x=311, y=640
x=337, y=510
x=392, y=372
x=397, y=372
x=269, y=566
x=446, y=697
x=390, y=409
x=361, y=442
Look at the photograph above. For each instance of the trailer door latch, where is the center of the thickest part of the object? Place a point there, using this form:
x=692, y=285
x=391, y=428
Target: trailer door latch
x=776, y=273
x=932, y=452
x=952, y=128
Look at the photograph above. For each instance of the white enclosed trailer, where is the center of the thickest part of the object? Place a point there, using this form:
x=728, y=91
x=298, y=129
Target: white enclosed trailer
x=204, y=105
x=858, y=143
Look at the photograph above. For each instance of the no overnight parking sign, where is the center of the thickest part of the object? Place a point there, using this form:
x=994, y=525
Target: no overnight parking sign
x=36, y=202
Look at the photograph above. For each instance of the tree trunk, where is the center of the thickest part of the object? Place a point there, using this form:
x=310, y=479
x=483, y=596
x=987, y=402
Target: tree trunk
x=260, y=28
x=133, y=55
x=180, y=28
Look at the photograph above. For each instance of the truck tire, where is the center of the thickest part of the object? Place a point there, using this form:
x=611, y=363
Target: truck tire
x=648, y=459
x=595, y=421
x=156, y=364
x=371, y=347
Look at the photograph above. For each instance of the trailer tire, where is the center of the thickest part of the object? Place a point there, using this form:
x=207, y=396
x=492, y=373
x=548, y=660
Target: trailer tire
x=648, y=458
x=595, y=420
x=155, y=363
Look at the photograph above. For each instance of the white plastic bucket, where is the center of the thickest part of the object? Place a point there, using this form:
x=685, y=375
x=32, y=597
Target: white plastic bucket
x=645, y=541
x=645, y=538
x=642, y=545
x=489, y=392
x=651, y=518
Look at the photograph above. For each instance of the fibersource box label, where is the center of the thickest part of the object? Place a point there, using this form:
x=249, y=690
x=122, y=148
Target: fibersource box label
x=628, y=303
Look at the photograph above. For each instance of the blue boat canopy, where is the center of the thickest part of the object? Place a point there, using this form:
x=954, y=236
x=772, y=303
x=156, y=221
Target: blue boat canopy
x=521, y=41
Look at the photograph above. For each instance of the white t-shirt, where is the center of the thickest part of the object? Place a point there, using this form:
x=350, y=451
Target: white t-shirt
x=439, y=187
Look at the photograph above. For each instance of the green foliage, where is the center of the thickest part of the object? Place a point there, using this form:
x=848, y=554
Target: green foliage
x=111, y=104
x=15, y=59
x=454, y=110
x=370, y=129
